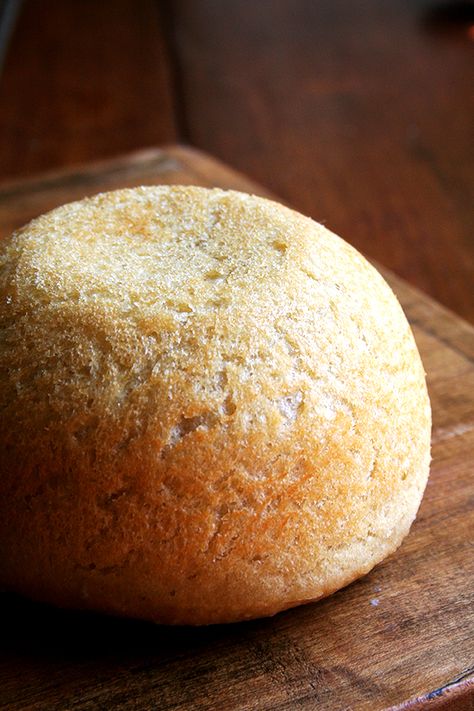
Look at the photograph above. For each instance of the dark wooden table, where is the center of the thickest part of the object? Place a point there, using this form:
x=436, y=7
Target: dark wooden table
x=357, y=113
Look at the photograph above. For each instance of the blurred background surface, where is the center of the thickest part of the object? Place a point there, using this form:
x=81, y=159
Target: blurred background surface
x=359, y=113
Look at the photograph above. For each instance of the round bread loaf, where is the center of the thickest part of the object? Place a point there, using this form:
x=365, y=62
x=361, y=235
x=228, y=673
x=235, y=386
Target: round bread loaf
x=212, y=408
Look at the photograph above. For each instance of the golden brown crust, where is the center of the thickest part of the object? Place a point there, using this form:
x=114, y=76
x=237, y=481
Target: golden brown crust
x=212, y=408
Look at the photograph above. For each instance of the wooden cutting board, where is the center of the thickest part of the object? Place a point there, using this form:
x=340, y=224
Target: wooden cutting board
x=402, y=637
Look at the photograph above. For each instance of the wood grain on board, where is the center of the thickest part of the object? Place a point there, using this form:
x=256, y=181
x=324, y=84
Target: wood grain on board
x=402, y=637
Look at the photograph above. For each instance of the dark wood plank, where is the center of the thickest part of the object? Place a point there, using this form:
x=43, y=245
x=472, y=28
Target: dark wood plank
x=357, y=113
x=400, y=638
x=83, y=80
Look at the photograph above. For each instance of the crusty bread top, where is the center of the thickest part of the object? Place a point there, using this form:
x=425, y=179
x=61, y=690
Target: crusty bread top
x=225, y=377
